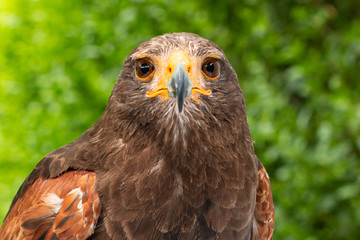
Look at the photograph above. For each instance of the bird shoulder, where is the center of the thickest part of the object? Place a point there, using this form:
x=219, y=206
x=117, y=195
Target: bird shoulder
x=61, y=207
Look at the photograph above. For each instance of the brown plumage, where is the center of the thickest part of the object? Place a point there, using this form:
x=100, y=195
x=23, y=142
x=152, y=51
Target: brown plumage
x=64, y=206
x=171, y=158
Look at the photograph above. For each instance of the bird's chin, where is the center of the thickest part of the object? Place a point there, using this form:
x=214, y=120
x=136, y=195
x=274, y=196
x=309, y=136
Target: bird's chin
x=171, y=108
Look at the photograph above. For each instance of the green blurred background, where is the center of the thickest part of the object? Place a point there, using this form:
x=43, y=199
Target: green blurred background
x=298, y=63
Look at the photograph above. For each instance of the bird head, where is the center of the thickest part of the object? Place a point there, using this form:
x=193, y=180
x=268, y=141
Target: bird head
x=178, y=81
x=177, y=69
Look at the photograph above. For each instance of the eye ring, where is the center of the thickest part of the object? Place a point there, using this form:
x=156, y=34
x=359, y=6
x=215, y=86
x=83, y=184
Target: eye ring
x=211, y=68
x=144, y=69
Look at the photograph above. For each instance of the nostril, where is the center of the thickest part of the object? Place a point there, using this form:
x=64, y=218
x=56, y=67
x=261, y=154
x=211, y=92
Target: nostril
x=170, y=70
x=189, y=69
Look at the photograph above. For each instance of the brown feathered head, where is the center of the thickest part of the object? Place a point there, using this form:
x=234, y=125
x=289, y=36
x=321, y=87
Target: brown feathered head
x=182, y=87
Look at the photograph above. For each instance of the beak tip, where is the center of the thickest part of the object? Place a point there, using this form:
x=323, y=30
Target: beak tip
x=179, y=85
x=180, y=107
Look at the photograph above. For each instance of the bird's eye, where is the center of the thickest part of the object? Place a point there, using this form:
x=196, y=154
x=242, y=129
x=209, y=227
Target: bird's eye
x=144, y=69
x=211, y=68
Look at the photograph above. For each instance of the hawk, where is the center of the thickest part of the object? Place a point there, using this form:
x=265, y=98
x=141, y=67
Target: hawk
x=171, y=158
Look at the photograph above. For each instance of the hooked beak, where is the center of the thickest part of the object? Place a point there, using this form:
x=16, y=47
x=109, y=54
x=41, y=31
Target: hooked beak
x=179, y=85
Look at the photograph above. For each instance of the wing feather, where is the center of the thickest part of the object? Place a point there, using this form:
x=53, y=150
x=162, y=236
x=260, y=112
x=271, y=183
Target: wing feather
x=57, y=208
x=264, y=208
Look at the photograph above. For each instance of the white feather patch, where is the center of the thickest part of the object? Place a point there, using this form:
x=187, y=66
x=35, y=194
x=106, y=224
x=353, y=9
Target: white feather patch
x=77, y=191
x=53, y=200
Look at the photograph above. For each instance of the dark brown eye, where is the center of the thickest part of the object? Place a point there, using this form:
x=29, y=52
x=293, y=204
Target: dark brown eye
x=144, y=69
x=211, y=68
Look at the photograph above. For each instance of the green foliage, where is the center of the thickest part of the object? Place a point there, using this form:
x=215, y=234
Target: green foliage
x=297, y=63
